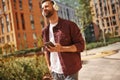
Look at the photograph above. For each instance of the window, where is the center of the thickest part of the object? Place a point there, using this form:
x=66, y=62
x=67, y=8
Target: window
x=103, y=22
x=32, y=22
x=8, y=4
x=31, y=17
x=17, y=22
x=3, y=40
x=20, y=4
x=8, y=23
x=14, y=4
x=116, y=28
x=108, y=10
x=107, y=20
x=12, y=37
x=68, y=13
x=30, y=4
x=100, y=4
x=24, y=36
x=34, y=36
x=114, y=20
x=4, y=5
x=2, y=26
x=116, y=32
x=111, y=20
x=32, y=26
x=18, y=35
x=8, y=38
x=97, y=22
x=23, y=21
x=105, y=9
x=105, y=30
x=108, y=31
x=113, y=9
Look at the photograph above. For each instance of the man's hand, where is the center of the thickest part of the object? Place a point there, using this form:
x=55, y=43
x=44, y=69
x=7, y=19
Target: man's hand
x=57, y=48
x=60, y=48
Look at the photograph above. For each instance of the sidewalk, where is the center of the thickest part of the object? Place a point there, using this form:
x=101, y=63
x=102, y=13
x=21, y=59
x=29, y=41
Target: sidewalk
x=105, y=67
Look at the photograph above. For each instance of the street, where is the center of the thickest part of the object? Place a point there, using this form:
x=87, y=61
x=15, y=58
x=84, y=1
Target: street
x=105, y=67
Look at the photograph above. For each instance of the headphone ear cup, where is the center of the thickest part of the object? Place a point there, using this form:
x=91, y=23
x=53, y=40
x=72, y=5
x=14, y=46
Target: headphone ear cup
x=42, y=13
x=55, y=6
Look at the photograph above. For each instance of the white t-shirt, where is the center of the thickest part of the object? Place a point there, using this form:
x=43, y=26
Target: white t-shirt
x=54, y=58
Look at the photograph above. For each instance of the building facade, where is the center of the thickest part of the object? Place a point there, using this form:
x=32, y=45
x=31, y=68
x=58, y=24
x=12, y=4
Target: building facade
x=67, y=12
x=106, y=16
x=20, y=23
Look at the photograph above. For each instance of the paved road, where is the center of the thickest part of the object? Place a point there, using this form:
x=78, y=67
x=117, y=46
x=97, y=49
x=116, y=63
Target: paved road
x=102, y=68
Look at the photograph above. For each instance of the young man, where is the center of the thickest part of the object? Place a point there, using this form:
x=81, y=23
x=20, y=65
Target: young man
x=64, y=59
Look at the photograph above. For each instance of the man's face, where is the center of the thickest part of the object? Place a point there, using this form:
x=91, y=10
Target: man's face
x=47, y=9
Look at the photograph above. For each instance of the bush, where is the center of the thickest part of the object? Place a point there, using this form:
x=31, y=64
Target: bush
x=23, y=68
x=100, y=43
x=113, y=40
x=94, y=45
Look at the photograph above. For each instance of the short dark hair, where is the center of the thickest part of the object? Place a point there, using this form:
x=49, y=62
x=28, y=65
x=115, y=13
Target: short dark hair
x=46, y=1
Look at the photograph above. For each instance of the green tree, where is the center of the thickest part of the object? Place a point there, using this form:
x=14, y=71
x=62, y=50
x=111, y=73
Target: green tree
x=83, y=11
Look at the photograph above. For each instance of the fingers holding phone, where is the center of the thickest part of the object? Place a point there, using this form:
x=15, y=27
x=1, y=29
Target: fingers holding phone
x=53, y=47
x=49, y=46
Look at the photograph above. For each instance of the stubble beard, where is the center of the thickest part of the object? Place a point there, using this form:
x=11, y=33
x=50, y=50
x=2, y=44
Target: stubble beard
x=49, y=14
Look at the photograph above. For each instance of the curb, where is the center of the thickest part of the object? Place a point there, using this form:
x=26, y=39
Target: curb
x=99, y=55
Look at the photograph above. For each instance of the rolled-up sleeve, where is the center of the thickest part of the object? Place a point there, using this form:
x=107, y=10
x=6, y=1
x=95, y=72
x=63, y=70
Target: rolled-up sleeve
x=77, y=37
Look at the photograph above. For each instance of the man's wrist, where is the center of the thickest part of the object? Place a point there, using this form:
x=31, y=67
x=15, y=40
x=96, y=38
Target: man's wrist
x=68, y=48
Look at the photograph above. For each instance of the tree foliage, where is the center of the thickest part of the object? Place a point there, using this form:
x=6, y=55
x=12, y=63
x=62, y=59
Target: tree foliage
x=83, y=11
x=72, y=3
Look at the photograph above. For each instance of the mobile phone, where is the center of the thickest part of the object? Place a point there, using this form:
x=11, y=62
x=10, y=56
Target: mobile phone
x=49, y=44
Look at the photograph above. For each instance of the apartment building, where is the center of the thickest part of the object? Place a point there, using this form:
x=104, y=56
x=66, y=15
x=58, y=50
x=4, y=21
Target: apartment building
x=21, y=23
x=106, y=16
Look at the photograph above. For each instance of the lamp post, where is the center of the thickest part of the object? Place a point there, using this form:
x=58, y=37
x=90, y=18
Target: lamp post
x=103, y=34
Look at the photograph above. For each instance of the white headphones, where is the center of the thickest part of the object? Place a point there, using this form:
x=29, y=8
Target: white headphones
x=55, y=6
